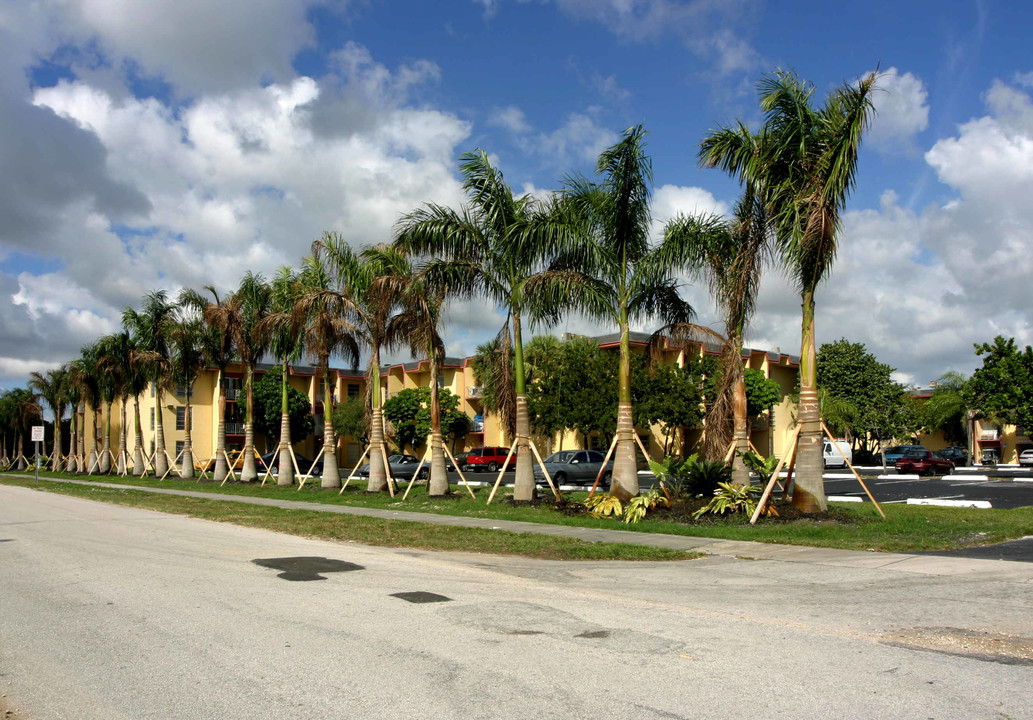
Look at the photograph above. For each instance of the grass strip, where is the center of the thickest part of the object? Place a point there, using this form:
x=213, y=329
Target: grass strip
x=907, y=528
x=366, y=530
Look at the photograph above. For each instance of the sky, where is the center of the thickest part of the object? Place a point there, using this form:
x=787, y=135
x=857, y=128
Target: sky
x=179, y=143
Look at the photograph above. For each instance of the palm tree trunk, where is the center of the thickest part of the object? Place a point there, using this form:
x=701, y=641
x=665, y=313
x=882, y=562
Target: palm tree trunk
x=438, y=470
x=624, y=482
x=377, y=471
x=740, y=473
x=55, y=460
x=161, y=460
x=809, y=486
x=249, y=470
x=105, y=456
x=331, y=473
x=21, y=454
x=139, y=467
x=285, y=475
x=72, y=439
x=123, y=441
x=524, y=488
x=221, y=468
x=91, y=463
x=186, y=467
x=80, y=454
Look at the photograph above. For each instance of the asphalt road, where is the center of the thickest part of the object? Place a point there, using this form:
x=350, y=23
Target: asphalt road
x=111, y=612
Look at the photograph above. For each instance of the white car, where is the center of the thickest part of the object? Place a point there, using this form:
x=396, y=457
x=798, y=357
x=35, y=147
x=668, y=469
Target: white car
x=1026, y=457
x=833, y=457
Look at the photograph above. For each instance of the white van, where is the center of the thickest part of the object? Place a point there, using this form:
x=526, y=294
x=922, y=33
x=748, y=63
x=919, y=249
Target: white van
x=832, y=456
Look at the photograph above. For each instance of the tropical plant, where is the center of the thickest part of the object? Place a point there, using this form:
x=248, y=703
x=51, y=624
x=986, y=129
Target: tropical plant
x=703, y=476
x=85, y=374
x=370, y=282
x=637, y=507
x=191, y=342
x=22, y=411
x=268, y=399
x=285, y=336
x=351, y=420
x=495, y=248
x=52, y=386
x=613, y=273
x=762, y=466
x=217, y=346
x=947, y=410
x=323, y=312
x=731, y=256
x=125, y=364
x=150, y=327
x=803, y=164
x=604, y=505
x=732, y=498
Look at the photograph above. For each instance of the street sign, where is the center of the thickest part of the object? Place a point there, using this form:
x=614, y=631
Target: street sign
x=37, y=433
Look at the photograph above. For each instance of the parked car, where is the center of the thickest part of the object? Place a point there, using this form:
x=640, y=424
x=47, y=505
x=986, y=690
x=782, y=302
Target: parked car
x=460, y=461
x=487, y=458
x=898, y=451
x=924, y=462
x=957, y=455
x=402, y=467
x=574, y=466
x=272, y=461
x=1026, y=457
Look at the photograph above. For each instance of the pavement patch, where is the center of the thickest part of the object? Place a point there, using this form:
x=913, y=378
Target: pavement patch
x=421, y=596
x=303, y=569
x=985, y=645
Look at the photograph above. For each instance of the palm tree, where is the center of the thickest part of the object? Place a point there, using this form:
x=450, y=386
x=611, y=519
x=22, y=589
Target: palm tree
x=150, y=326
x=25, y=411
x=285, y=339
x=613, y=273
x=322, y=311
x=418, y=327
x=731, y=256
x=947, y=410
x=71, y=400
x=239, y=318
x=370, y=284
x=803, y=162
x=188, y=342
x=85, y=375
x=52, y=386
x=494, y=248
x=219, y=351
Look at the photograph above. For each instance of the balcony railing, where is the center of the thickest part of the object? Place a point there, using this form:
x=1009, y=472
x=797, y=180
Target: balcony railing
x=988, y=435
x=233, y=393
x=474, y=391
x=234, y=428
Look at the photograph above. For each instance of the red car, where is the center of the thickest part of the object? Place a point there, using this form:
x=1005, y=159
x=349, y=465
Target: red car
x=487, y=458
x=924, y=462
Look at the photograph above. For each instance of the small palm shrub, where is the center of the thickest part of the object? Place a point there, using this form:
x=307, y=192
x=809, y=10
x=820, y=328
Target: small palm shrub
x=732, y=498
x=758, y=464
x=603, y=505
x=703, y=477
x=639, y=505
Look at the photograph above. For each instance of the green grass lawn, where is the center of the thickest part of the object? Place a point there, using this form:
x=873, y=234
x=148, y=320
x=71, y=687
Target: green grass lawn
x=848, y=526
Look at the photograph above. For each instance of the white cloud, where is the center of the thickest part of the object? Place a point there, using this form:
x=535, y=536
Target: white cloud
x=579, y=140
x=901, y=111
x=510, y=118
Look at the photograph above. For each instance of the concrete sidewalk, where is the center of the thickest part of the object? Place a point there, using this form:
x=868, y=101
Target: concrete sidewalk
x=997, y=570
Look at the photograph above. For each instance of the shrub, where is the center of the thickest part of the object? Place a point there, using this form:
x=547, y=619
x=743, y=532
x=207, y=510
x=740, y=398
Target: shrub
x=639, y=505
x=731, y=498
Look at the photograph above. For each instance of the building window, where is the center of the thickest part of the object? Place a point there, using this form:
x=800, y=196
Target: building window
x=353, y=390
x=179, y=447
x=152, y=418
x=152, y=389
x=181, y=418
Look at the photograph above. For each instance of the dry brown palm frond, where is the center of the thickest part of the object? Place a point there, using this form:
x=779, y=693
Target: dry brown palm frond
x=676, y=335
x=501, y=369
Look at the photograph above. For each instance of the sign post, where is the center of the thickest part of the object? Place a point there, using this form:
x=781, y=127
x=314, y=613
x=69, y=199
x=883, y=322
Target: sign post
x=37, y=438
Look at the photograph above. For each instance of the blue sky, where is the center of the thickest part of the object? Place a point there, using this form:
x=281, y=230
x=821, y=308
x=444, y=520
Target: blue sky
x=180, y=142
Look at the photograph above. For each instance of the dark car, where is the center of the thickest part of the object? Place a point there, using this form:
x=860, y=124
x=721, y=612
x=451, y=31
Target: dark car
x=898, y=451
x=487, y=458
x=460, y=461
x=924, y=462
x=402, y=467
x=272, y=461
x=957, y=455
x=574, y=466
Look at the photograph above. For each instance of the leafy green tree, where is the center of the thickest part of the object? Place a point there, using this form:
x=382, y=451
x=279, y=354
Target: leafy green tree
x=761, y=392
x=1002, y=389
x=669, y=396
x=410, y=413
x=351, y=420
x=803, y=163
x=269, y=408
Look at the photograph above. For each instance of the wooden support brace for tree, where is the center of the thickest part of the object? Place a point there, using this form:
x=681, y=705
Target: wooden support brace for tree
x=229, y=467
x=730, y=453
x=502, y=471
x=851, y=466
x=416, y=472
x=789, y=477
x=204, y=468
x=352, y=473
x=794, y=439
x=753, y=447
x=545, y=470
x=172, y=464
x=599, y=475
x=458, y=470
x=387, y=470
x=268, y=468
x=304, y=478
